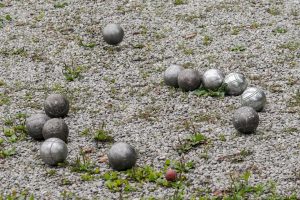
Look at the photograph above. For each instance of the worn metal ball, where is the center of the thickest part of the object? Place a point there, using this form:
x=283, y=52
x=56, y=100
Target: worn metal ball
x=35, y=124
x=171, y=75
x=212, y=79
x=113, y=34
x=254, y=97
x=57, y=128
x=245, y=120
x=56, y=105
x=53, y=151
x=189, y=79
x=236, y=83
x=122, y=156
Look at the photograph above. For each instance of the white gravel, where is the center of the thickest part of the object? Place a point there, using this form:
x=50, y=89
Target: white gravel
x=122, y=86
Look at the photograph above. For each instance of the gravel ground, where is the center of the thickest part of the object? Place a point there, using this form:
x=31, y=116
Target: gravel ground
x=122, y=87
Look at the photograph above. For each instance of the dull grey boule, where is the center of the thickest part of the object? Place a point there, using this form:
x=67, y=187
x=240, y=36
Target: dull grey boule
x=171, y=75
x=57, y=128
x=56, y=105
x=122, y=156
x=35, y=124
x=245, y=120
x=189, y=79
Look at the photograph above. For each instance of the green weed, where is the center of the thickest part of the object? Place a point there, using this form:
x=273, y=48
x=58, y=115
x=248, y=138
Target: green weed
x=179, y=2
x=14, y=195
x=279, y=30
x=85, y=132
x=72, y=73
x=291, y=45
x=4, y=99
x=84, y=164
x=4, y=153
x=87, y=45
x=207, y=40
x=238, y=48
x=273, y=11
x=115, y=184
x=15, y=129
x=87, y=177
x=220, y=92
x=60, y=5
x=295, y=100
x=102, y=135
x=191, y=142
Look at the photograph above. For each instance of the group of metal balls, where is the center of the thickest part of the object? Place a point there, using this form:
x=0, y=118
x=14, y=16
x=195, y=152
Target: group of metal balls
x=122, y=156
x=54, y=130
x=253, y=100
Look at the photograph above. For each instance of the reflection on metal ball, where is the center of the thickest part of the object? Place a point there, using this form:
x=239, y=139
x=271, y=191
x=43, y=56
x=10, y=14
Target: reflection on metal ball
x=122, y=156
x=212, y=79
x=171, y=75
x=53, y=151
x=236, y=83
x=254, y=97
x=245, y=120
x=113, y=34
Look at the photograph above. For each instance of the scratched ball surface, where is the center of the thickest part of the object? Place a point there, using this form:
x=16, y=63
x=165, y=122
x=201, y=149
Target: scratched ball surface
x=254, y=97
x=113, y=34
x=56, y=105
x=245, y=120
x=57, y=128
x=236, y=83
x=35, y=124
x=53, y=151
x=122, y=156
x=171, y=75
x=212, y=79
x=189, y=79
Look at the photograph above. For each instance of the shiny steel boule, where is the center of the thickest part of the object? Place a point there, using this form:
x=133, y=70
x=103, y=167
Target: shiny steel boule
x=245, y=120
x=189, y=79
x=53, y=151
x=212, y=79
x=56, y=105
x=254, y=97
x=57, y=128
x=236, y=83
x=171, y=75
x=122, y=156
x=113, y=34
x=35, y=124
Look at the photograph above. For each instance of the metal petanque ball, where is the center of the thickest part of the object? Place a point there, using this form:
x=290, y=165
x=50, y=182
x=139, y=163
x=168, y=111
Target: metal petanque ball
x=212, y=79
x=53, y=151
x=35, y=124
x=254, y=97
x=113, y=34
x=189, y=79
x=57, y=128
x=122, y=156
x=236, y=83
x=245, y=120
x=56, y=105
x=171, y=75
